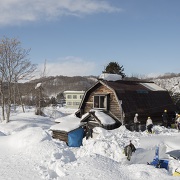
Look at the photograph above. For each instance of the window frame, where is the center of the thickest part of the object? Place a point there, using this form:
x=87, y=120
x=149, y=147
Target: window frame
x=69, y=96
x=100, y=103
x=75, y=103
x=69, y=103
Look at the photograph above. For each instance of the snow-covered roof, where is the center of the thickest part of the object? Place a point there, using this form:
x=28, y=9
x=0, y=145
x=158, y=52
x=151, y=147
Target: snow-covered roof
x=110, y=77
x=71, y=122
x=74, y=92
x=67, y=123
x=69, y=118
x=152, y=86
x=104, y=118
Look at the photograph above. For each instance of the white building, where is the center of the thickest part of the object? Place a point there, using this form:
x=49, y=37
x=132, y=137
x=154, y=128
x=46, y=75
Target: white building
x=73, y=98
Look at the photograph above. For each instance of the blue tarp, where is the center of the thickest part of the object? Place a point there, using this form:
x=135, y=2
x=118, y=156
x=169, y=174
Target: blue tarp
x=163, y=163
x=75, y=137
x=159, y=163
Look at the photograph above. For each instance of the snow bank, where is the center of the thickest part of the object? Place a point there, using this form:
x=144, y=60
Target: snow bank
x=29, y=152
x=53, y=112
x=28, y=137
x=2, y=134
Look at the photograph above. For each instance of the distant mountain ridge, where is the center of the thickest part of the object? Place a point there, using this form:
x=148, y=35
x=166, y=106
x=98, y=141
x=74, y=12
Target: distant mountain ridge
x=55, y=85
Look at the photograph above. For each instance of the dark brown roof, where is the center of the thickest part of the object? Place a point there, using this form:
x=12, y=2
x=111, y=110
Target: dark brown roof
x=122, y=85
x=138, y=98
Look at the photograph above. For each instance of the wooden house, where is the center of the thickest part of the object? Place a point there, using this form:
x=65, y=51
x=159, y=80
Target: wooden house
x=123, y=99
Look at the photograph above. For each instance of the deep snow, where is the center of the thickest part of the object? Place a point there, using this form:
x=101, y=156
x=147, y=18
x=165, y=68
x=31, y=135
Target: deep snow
x=28, y=152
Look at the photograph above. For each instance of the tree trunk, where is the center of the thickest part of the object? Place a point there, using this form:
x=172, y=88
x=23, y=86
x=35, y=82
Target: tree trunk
x=3, y=107
x=14, y=97
x=2, y=101
x=20, y=98
x=8, y=110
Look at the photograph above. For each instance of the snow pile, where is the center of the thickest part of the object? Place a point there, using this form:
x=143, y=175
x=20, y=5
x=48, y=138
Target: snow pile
x=105, y=143
x=2, y=134
x=53, y=112
x=31, y=136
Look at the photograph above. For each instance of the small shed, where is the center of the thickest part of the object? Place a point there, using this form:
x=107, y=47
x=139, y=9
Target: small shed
x=69, y=129
x=98, y=118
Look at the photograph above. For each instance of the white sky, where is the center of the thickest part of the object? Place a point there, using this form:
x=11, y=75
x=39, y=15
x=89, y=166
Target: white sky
x=29, y=153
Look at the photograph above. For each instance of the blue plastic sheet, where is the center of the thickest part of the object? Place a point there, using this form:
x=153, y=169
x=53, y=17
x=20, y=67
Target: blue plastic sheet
x=159, y=163
x=75, y=137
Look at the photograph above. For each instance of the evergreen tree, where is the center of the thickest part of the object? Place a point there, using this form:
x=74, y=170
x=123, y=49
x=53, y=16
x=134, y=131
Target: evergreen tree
x=115, y=68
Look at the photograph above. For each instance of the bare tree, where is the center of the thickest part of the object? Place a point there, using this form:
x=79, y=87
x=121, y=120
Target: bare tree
x=39, y=91
x=2, y=100
x=14, y=66
x=43, y=73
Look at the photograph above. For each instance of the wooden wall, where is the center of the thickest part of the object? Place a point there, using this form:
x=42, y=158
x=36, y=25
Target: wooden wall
x=61, y=135
x=114, y=107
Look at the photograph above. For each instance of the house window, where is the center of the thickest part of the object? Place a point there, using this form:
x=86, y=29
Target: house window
x=81, y=96
x=74, y=96
x=100, y=101
x=142, y=91
x=69, y=97
x=76, y=103
x=69, y=103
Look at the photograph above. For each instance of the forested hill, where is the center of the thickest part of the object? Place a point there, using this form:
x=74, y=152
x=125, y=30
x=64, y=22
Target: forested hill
x=58, y=84
x=170, y=83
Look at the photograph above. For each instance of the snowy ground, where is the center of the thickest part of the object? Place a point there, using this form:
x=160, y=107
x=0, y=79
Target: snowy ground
x=27, y=152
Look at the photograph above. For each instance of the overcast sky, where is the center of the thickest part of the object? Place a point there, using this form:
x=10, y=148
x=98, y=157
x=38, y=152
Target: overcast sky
x=80, y=37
